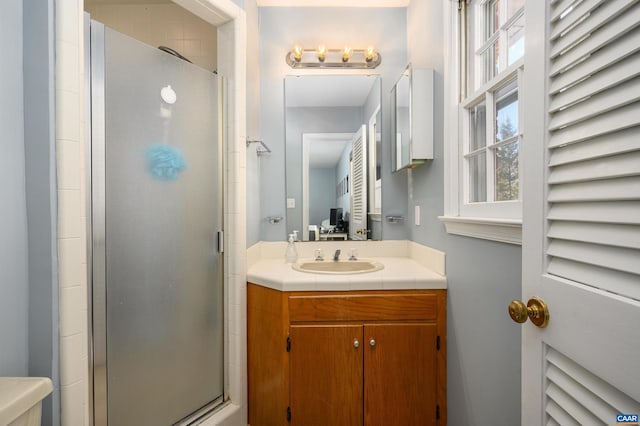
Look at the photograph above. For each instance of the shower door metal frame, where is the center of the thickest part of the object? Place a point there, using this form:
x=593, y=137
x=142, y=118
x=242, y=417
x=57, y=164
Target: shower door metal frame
x=96, y=227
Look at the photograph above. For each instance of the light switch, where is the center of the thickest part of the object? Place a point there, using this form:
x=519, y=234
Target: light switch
x=291, y=203
x=416, y=215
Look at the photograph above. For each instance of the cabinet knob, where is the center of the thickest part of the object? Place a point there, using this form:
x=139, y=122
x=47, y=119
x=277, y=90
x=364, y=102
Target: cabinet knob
x=372, y=342
x=356, y=344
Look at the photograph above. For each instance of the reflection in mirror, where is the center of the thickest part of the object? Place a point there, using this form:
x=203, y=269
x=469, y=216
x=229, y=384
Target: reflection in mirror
x=333, y=144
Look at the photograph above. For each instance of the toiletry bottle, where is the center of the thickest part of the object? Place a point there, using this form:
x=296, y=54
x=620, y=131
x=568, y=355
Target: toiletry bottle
x=291, y=255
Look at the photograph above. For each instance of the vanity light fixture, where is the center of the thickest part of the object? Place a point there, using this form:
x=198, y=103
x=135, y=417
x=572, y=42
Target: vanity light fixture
x=370, y=53
x=322, y=53
x=346, y=53
x=321, y=57
x=296, y=52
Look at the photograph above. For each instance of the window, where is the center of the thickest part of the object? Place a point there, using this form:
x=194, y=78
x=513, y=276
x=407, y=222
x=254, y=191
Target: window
x=484, y=167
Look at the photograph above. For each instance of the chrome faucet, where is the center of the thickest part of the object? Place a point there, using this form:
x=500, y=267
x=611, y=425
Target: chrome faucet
x=336, y=255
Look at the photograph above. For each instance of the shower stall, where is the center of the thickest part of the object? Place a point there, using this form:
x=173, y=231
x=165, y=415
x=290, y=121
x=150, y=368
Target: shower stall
x=156, y=234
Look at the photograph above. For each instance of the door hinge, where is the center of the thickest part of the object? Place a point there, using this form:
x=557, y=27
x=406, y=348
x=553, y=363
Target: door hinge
x=437, y=412
x=289, y=414
x=438, y=343
x=288, y=344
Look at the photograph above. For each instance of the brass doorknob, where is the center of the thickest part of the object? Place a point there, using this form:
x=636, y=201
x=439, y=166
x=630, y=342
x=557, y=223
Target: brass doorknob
x=536, y=310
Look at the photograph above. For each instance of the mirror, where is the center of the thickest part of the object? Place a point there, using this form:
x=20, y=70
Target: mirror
x=333, y=156
x=400, y=125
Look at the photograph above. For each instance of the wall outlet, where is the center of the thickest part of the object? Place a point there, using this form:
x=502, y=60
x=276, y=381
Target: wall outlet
x=416, y=215
x=291, y=203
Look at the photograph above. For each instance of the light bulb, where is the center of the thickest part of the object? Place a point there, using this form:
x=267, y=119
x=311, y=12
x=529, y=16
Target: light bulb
x=369, y=53
x=346, y=53
x=297, y=53
x=322, y=53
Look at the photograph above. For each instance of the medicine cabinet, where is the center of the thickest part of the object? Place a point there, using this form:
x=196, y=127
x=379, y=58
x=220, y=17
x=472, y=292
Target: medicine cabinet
x=412, y=120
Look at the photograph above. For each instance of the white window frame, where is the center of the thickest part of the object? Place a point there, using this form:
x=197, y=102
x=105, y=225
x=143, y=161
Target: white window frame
x=499, y=220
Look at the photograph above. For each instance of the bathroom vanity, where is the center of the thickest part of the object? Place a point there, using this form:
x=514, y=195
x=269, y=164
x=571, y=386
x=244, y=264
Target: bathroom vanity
x=348, y=349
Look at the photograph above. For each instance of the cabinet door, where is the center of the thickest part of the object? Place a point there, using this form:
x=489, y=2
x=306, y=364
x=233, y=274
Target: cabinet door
x=400, y=374
x=326, y=375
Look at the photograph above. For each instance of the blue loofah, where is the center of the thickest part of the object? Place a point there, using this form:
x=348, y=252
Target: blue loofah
x=165, y=162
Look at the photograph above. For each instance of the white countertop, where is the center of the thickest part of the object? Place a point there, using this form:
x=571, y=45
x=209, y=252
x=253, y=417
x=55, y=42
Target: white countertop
x=407, y=266
x=19, y=394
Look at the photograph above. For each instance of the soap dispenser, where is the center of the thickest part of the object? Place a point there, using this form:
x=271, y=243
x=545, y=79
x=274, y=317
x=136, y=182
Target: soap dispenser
x=291, y=255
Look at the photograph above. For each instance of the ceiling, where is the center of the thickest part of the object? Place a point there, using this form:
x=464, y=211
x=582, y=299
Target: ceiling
x=325, y=153
x=334, y=3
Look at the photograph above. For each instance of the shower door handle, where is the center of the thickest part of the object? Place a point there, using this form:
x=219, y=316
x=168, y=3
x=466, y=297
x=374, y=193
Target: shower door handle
x=220, y=241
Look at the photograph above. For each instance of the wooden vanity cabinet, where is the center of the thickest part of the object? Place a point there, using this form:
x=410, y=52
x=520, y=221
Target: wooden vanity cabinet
x=372, y=358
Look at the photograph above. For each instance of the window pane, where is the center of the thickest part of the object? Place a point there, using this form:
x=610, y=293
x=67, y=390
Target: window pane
x=492, y=18
x=513, y=6
x=478, y=178
x=515, y=35
x=490, y=62
x=507, y=178
x=507, y=111
x=478, y=127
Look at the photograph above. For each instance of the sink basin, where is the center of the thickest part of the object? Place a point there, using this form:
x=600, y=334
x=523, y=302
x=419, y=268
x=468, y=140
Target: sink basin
x=341, y=267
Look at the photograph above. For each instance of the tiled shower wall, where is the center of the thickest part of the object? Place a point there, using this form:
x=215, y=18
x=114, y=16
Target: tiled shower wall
x=162, y=25
x=71, y=213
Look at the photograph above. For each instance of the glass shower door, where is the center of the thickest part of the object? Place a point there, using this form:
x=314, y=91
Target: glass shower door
x=157, y=211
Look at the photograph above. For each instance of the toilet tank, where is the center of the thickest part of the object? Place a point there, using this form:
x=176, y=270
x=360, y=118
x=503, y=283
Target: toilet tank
x=21, y=400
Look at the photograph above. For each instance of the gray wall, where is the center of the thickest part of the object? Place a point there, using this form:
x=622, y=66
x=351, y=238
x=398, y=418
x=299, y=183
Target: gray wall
x=483, y=277
x=14, y=289
x=254, y=216
x=39, y=145
x=280, y=29
x=483, y=358
x=322, y=197
x=28, y=298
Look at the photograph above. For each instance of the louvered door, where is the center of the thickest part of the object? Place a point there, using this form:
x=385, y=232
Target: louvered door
x=581, y=224
x=358, y=214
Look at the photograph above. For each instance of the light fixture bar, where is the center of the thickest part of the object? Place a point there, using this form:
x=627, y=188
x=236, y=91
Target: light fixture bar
x=333, y=58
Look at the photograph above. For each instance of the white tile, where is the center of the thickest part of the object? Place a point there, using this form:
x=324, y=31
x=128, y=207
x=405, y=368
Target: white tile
x=174, y=30
x=237, y=259
x=234, y=198
x=67, y=66
x=71, y=366
x=176, y=44
x=68, y=118
x=429, y=257
x=69, y=213
x=68, y=157
x=70, y=262
x=67, y=16
x=192, y=47
x=365, y=283
x=71, y=404
x=398, y=283
x=72, y=315
x=84, y=348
